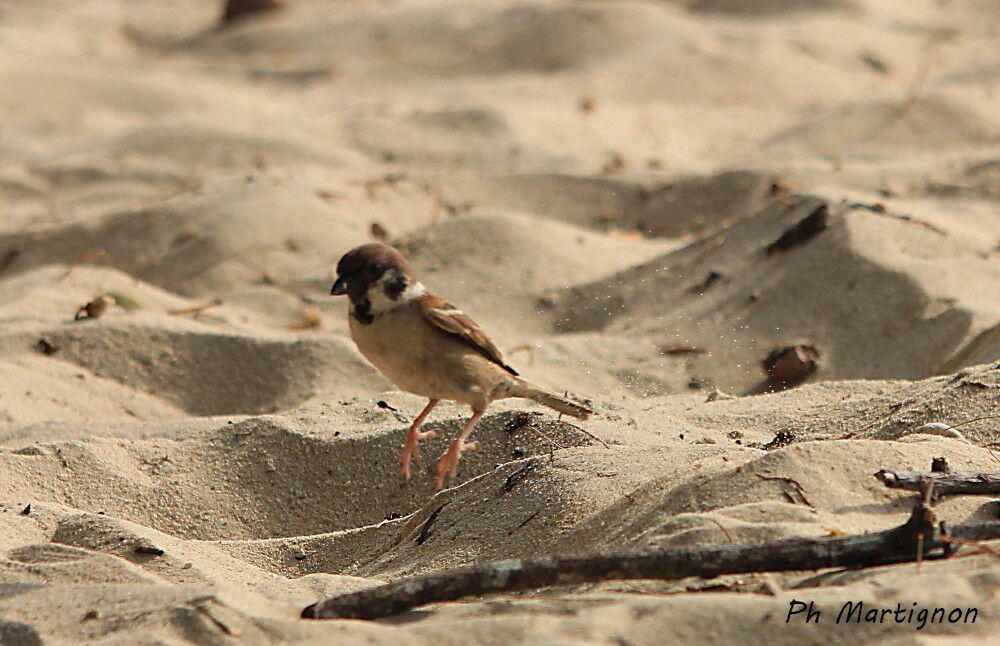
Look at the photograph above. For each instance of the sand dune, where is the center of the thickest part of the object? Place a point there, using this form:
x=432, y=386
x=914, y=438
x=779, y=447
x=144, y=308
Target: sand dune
x=639, y=200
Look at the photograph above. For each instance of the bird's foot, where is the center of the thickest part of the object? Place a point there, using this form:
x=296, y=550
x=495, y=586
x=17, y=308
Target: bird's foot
x=410, y=450
x=447, y=466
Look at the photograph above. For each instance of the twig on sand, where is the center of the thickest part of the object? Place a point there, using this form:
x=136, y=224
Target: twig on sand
x=919, y=537
x=879, y=209
x=195, y=309
x=976, y=483
x=980, y=548
x=916, y=87
x=722, y=527
x=553, y=445
x=589, y=434
x=795, y=484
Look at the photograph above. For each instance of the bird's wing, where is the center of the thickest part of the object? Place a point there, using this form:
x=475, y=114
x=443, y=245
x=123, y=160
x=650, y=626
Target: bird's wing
x=454, y=321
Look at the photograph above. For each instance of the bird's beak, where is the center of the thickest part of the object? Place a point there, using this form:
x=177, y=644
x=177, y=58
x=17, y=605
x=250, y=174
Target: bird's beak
x=340, y=286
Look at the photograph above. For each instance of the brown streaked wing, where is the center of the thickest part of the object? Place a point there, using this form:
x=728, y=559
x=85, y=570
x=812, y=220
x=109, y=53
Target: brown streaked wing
x=450, y=319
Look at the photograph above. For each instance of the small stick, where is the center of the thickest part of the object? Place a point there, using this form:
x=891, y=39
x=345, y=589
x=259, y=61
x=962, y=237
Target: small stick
x=895, y=545
x=589, y=434
x=927, y=491
x=878, y=209
x=915, y=90
x=585, y=432
x=926, y=498
x=552, y=443
x=729, y=536
x=980, y=547
x=794, y=483
x=976, y=483
x=196, y=309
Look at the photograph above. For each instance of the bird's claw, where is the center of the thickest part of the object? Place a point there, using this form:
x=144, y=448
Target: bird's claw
x=411, y=450
x=447, y=466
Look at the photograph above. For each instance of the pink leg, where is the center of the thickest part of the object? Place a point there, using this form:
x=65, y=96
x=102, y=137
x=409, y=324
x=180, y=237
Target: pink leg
x=447, y=467
x=414, y=435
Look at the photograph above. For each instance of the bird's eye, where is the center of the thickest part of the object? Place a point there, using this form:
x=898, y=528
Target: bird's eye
x=375, y=270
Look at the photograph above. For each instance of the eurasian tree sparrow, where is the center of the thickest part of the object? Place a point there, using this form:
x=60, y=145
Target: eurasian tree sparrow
x=428, y=347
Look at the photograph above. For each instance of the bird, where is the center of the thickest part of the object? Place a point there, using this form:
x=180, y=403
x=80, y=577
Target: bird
x=426, y=346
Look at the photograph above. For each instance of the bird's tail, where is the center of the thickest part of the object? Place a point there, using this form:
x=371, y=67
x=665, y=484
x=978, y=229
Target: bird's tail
x=521, y=388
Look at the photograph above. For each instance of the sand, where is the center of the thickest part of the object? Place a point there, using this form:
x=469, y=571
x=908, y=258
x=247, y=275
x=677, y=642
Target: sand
x=602, y=185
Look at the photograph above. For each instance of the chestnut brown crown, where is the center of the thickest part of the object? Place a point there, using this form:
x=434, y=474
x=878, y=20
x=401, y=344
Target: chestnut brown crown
x=363, y=266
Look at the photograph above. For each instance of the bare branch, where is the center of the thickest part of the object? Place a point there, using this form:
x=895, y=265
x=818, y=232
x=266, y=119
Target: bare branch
x=919, y=537
x=979, y=483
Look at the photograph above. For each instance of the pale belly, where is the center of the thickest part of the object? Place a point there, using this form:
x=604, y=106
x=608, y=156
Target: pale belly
x=423, y=360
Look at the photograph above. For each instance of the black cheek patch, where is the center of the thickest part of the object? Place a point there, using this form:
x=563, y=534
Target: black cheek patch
x=362, y=310
x=395, y=287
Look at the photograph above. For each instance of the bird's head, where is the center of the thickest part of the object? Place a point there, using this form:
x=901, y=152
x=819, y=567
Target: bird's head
x=376, y=273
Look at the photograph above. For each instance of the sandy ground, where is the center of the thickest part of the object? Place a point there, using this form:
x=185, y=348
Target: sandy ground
x=600, y=184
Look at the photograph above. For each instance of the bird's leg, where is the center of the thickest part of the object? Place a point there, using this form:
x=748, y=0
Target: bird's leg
x=447, y=466
x=414, y=435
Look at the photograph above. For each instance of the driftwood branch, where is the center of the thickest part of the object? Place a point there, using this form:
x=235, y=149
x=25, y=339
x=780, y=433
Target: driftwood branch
x=920, y=537
x=979, y=483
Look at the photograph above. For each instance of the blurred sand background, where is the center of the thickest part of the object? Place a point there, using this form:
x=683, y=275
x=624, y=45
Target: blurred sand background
x=597, y=183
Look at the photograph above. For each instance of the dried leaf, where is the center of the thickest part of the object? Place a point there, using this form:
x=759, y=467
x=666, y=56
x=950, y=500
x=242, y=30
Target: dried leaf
x=310, y=318
x=95, y=308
